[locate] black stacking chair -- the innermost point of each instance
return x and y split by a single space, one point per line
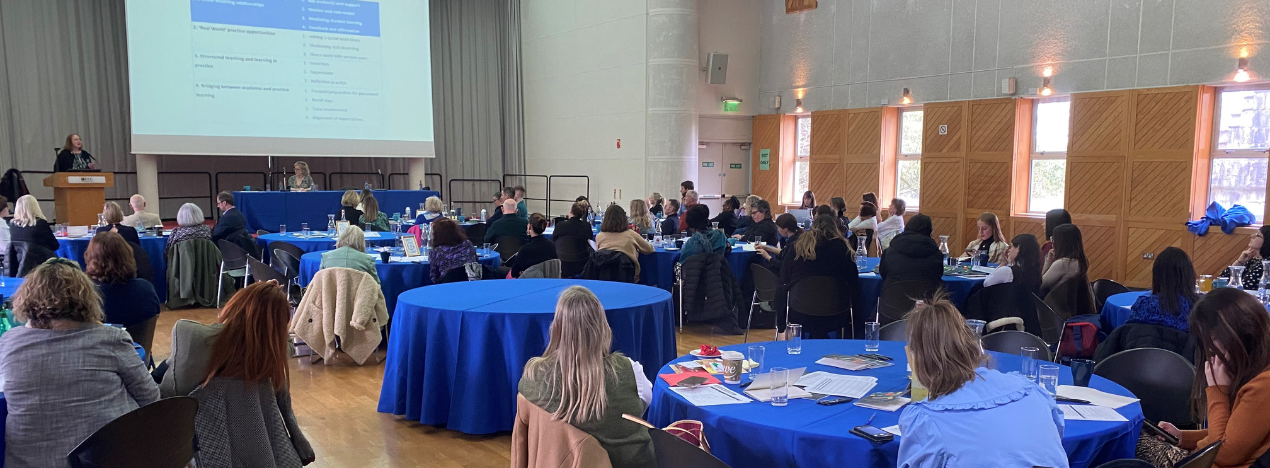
157 435
1105 288
1012 341
673 452
765 285
894 331
508 246
574 253
817 296
898 297
1161 379
1050 322
286 247
145 270
261 272
233 263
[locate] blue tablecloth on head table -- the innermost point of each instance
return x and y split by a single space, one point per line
73 249
1117 309
958 288
807 435
658 268
394 277
269 210
319 243
457 350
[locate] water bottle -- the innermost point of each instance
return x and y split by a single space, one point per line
482 215
1265 282
366 185
407 213
421 185
943 249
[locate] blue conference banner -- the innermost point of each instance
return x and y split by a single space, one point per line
352 17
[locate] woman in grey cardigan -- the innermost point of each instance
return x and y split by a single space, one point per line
65 374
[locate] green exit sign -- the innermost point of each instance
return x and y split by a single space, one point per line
734 166
707 164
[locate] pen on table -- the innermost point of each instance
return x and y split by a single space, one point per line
870 421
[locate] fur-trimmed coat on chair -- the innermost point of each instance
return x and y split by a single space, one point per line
341 304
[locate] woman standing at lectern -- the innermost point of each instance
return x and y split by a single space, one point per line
73 158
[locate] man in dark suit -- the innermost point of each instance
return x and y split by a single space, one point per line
231 221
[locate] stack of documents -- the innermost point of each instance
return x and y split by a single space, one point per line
885 401
851 362
761 388
1094 397
710 395
850 386
1089 413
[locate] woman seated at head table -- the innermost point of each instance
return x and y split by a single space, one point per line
974 416
114 219
616 234
1251 258
539 248
1172 292
248 344
1022 265
990 242
349 210
703 239
301 181
189 220
350 252
127 301
431 211
66 374
29 224
1232 382
450 249
580 380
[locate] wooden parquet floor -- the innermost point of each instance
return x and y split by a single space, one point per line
335 406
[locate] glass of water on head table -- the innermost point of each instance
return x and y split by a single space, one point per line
282 229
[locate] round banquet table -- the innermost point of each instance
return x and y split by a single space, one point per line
457 350
73 249
958 287
395 277
319 241
807 435
658 268
10 287
1117 309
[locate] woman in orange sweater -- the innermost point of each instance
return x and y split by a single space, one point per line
1233 332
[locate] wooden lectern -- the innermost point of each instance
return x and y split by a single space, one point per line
79 196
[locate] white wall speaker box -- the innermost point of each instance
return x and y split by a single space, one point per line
717 65
776 101
1008 86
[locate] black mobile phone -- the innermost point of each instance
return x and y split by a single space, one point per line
1153 429
873 434
1063 399
830 401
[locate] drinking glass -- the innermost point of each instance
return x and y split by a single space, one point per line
282 229
976 326
422 207
714 225
657 241
1030 361
871 336
1082 370
1236 277
485 247
794 338
757 240
780 386
756 354
1049 378
304 229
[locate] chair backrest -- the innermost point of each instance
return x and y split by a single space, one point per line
1072 298
1012 341
145 269
673 452
898 297
262 272
25 256
1105 288
815 295
765 282
159 435
547 269
143 333
290 264
610 265
1161 379
508 246
1204 458
1050 323
476 231
233 256
572 249
894 331
285 247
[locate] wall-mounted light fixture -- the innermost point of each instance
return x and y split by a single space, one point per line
906 98
731 104
1241 70
798 105
1047 77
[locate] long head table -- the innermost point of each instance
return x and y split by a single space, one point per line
269 210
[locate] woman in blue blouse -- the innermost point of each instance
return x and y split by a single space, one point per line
974 416
1172 292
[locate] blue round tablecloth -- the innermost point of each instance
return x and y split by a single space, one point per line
394 277
457 350
73 249
315 244
1117 309
807 435
658 268
958 288
10 287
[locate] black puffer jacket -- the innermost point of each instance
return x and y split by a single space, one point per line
710 292
1144 335
609 265
912 256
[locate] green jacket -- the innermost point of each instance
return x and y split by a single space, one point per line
192 268
380 224
348 257
508 225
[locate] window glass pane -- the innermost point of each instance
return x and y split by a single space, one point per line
911 133
1239 181
1047 184
1051 126
804 136
908 179
801 179
1244 120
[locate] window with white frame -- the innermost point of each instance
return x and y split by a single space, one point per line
1242 137
1048 174
908 163
801 173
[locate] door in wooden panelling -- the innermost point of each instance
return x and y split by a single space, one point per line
859 178
1097 125
1160 191
766 135
864 134
826 136
941 184
1094 188
988 187
1164 120
1148 241
992 126
1216 251
1100 250
942 129
825 179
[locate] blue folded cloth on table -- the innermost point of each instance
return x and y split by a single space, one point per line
1230 219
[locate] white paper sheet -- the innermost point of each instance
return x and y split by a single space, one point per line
1089 413
371 234
419 259
812 378
764 380
844 386
1095 397
894 430
765 394
710 395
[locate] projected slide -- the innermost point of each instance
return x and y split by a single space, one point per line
280 77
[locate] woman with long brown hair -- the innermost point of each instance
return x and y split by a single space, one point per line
616 234
372 218
974 415
73 157
1232 377
990 241
580 380
821 251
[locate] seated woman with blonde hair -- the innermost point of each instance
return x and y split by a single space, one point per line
974 416
350 252
580 380
348 208
431 211
114 223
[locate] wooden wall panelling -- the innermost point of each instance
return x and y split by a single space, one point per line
766 135
828 132
943 182
1096 186
1217 250
1143 240
795 6
862 151
1028 225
